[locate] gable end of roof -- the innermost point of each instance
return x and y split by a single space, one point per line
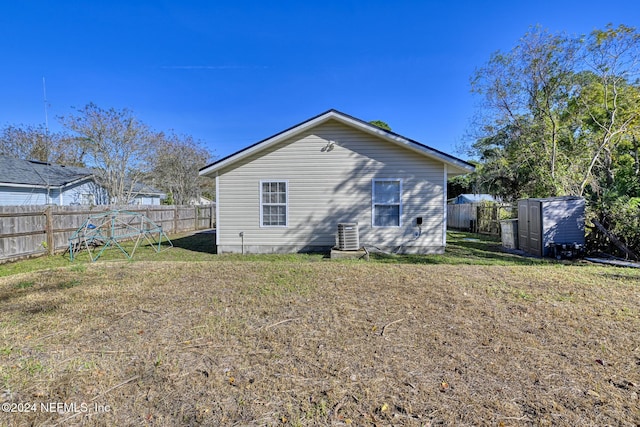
461 165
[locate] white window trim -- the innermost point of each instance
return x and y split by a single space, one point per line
373 202
262 225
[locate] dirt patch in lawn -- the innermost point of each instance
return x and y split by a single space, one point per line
320 343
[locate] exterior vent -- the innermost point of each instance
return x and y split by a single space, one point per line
348 239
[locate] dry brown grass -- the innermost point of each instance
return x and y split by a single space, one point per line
322 343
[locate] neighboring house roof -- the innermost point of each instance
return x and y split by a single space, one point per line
31 173
473 198
39 174
455 166
147 190
200 201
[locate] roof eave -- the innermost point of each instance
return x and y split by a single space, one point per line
78 180
265 143
19 185
458 166
149 194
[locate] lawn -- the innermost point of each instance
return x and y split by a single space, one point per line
462 248
185 337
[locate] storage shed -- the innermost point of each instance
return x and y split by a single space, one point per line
545 223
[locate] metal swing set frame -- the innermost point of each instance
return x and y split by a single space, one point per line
109 229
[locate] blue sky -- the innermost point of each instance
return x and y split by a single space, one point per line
235 72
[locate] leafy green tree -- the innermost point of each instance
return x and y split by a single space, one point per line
380 124
562 116
463 184
612 100
556 110
627 172
525 92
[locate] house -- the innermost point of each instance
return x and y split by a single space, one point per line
146 195
200 201
289 192
472 198
28 182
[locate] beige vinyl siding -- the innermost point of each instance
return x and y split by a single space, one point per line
328 185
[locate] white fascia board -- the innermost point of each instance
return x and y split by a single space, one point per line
149 193
11 184
457 167
57 187
79 180
267 143
411 145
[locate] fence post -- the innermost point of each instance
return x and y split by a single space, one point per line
48 230
175 218
195 217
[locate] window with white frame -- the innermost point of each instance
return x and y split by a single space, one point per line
387 202
273 203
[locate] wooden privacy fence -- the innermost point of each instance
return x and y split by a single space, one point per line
39 230
479 217
461 216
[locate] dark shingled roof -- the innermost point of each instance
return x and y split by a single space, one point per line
29 172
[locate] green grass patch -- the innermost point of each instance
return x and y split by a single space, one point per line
24 284
465 249
462 249
34 366
69 284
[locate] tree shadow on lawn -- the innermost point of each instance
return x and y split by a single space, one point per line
201 241
462 249
466 248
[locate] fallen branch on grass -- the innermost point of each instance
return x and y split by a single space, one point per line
615 240
51 335
116 386
281 322
139 309
389 324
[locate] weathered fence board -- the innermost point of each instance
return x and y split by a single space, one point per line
478 218
461 216
34 230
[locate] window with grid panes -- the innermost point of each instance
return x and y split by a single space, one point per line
273 203
387 202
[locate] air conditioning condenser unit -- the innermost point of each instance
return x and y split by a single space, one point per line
348 239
